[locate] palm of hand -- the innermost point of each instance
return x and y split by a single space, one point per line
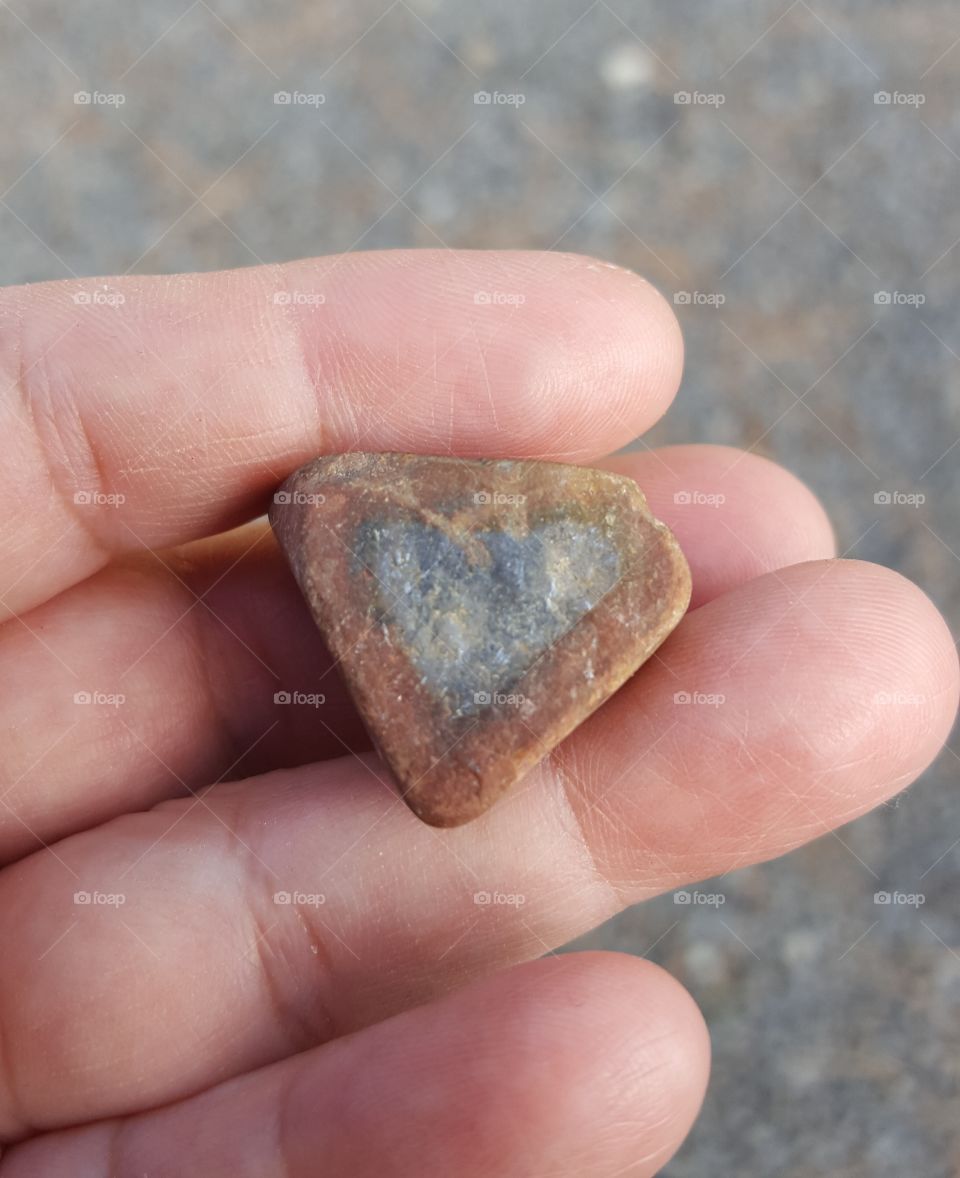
147 961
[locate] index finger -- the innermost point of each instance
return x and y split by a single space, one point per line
152 411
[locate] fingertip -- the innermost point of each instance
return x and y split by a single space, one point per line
736 514
789 507
505 353
860 659
775 713
660 1029
637 324
916 680
624 1044
587 1063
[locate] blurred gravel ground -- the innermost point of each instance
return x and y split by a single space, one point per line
798 200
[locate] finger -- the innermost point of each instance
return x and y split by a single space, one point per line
738 515
174 407
192 682
591 1064
321 904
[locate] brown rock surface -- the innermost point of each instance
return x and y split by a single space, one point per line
479 610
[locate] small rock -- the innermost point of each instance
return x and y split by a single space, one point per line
479 610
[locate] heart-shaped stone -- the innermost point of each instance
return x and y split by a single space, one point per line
479 610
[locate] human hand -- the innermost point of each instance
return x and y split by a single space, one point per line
147 960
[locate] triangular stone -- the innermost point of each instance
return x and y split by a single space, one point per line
478 610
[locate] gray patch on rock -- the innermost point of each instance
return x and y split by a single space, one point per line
473 628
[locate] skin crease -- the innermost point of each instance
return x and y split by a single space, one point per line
391 1028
